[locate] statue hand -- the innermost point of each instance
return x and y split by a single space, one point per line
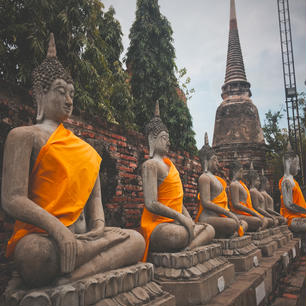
91 235
236 219
67 245
189 225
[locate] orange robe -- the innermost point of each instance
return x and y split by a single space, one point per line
61 181
220 200
247 203
297 198
170 193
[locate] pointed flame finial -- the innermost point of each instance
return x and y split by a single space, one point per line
251 166
157 112
51 48
206 139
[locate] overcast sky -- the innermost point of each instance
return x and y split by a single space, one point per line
200 38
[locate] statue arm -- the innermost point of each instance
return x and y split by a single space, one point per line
94 214
15 201
288 200
234 188
150 186
256 206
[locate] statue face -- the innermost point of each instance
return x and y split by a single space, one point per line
58 101
239 174
213 163
257 182
294 166
162 143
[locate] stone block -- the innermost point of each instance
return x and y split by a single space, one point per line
241 252
131 285
195 276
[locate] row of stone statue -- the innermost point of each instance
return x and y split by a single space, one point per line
51 187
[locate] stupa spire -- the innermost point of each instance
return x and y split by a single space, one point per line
235 72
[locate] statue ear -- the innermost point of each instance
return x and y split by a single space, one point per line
152 141
40 105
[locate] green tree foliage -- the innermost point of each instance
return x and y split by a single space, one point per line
276 139
88 43
150 61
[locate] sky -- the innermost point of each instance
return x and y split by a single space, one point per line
200 33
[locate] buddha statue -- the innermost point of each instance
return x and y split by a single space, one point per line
240 200
165 222
213 201
51 187
293 205
258 200
269 202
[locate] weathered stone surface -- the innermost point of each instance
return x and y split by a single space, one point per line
263 240
241 252
132 285
193 276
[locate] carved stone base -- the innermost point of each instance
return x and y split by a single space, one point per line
286 232
241 252
132 285
263 240
278 236
193 277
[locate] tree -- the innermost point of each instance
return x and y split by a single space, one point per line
276 139
150 62
88 43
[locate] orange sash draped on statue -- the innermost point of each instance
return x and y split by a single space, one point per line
170 193
297 198
61 181
220 200
247 203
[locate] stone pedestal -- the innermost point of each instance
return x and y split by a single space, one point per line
241 252
132 285
286 232
278 236
263 240
193 277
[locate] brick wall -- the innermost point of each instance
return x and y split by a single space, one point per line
123 151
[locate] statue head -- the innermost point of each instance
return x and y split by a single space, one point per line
52 84
291 161
236 170
208 156
253 177
157 133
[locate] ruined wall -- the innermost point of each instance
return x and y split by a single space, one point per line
123 151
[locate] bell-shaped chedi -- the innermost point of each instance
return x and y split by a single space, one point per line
237 125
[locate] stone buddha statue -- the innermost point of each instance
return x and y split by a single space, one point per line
240 200
165 222
258 200
51 187
213 201
293 205
269 202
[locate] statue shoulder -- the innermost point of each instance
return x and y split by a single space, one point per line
149 164
204 178
22 134
288 183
